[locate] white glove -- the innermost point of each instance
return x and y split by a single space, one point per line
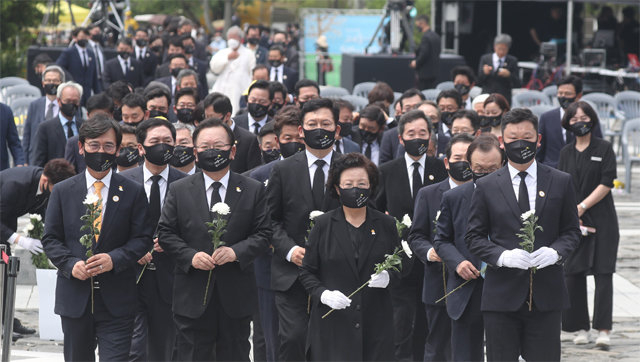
515 258
379 280
335 299
544 257
33 245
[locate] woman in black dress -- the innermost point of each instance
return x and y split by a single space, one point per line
343 248
592 164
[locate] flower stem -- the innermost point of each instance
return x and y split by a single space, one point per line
140 276
349 296
444 280
530 289
206 290
91 295
451 292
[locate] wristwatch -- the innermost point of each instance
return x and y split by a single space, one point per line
583 206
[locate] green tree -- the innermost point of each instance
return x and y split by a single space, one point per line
16 17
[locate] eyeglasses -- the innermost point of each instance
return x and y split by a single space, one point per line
350 185
95 147
216 146
480 170
185 105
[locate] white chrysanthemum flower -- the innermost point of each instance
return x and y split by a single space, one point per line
221 208
406 220
29 227
406 248
527 215
35 217
90 199
438 215
314 214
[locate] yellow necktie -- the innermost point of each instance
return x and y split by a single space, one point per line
98 185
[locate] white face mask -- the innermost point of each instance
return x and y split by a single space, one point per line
233 43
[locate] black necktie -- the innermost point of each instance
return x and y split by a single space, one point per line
69 129
318 184
367 151
215 194
499 65
95 49
154 200
417 180
86 60
338 146
523 193
49 114
256 128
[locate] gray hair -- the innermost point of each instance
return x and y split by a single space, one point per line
503 39
54 68
235 30
185 73
70 83
180 125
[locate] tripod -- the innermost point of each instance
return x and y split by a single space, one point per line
100 10
51 15
395 10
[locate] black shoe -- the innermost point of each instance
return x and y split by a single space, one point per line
16 337
19 328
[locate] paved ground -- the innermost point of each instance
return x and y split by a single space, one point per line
625 337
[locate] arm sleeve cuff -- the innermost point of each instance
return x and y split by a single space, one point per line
500 260
429 255
12 238
291 252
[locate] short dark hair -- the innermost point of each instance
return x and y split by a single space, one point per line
302 83
423 17
342 103
465 71
127 129
413 115
381 92
176 41
265 130
221 103
253 27
157 92
213 122
411 93
58 169
260 84
176 55
499 100
277 87
188 91
570 112
99 101
469 114
198 113
133 100
98 125
485 143
144 127
347 161
373 113
79 30
450 93
573 80
277 48
458 138
117 90
518 115
319 103
125 41
287 116
258 67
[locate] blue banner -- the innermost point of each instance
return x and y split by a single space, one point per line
347 31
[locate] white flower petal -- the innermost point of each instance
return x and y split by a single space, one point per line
221 208
406 220
29 227
406 248
90 199
314 214
438 215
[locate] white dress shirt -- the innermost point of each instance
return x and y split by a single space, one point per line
140 52
56 107
251 121
496 62
162 183
409 163
104 193
84 55
564 131
375 151
97 51
277 73
222 191
531 181
124 64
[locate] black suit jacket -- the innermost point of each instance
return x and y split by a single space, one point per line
248 153
289 77
182 233
290 202
492 83
125 236
428 55
113 72
72 154
243 121
390 147
149 63
494 220
18 187
443 141
87 76
9 139
451 248
50 141
421 238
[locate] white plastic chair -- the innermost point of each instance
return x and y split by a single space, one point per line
628 102
445 85
19 107
552 92
7 82
475 91
539 109
332 92
530 98
431 94
605 107
20 91
358 102
630 149
363 89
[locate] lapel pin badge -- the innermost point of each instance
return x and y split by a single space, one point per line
120 188
541 193
131 68
238 189
431 177
373 232
115 198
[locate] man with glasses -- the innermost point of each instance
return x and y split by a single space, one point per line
449 101
258 101
304 91
154 332
184 158
389 146
214 322
158 101
185 105
465 121
96 296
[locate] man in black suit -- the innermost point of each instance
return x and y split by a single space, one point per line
176 63
400 181
258 102
554 136
427 59
389 146
146 57
199 66
80 61
253 43
515 326
463 305
498 71
124 66
449 102
278 72
247 155
52 134
9 139
304 91
344 142
95 44
154 331
295 188
185 102
214 325
96 297
421 237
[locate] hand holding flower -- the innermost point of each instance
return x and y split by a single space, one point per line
202 261
80 271
223 255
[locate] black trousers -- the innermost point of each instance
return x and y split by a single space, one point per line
214 336
266 336
467 333
409 316
293 320
577 316
111 334
533 334
426 83
438 345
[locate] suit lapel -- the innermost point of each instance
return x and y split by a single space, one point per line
341 236
403 177
59 130
367 245
302 170
506 187
199 197
234 190
113 201
543 182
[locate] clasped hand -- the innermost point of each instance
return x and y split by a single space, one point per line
520 259
95 265
220 256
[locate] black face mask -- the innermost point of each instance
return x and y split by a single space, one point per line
156 113
68 109
319 139
257 110
275 107
416 147
565 101
189 49
368 137
159 154
124 55
82 43
117 114
447 118
301 104
99 161
345 129
463 89
50 89
291 148
520 151
270 155
97 38
185 115
477 176
182 156
253 41
213 160
581 128
141 43
354 197
156 49
460 171
175 72
128 157
275 63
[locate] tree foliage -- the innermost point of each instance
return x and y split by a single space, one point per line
15 19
